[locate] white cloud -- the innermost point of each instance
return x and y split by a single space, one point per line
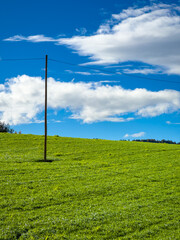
118 66
80 73
22 99
108 81
142 71
2 87
34 39
135 135
84 73
150 35
88 73
168 122
135 12
81 31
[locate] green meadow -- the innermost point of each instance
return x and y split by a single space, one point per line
88 189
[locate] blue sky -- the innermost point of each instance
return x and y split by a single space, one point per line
117 50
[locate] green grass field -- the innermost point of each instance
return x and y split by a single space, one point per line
90 189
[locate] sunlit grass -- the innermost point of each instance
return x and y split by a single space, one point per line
90 189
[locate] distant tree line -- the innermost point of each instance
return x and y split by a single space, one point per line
5 128
156 141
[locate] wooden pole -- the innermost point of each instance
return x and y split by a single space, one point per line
45 112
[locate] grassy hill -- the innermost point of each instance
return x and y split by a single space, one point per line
90 189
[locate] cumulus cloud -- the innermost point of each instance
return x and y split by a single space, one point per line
22 99
1 87
150 35
135 135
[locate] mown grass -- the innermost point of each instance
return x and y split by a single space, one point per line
90 189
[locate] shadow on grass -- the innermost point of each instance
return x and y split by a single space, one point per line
42 160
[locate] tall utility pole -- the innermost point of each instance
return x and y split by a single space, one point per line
45 112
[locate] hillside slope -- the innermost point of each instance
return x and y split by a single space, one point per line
89 189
